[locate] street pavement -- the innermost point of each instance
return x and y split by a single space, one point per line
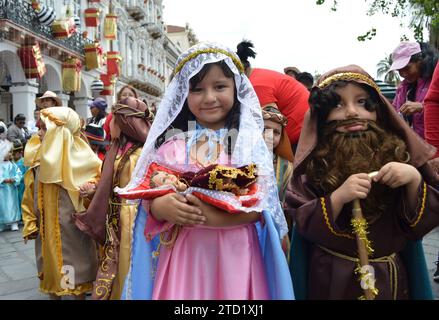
18 275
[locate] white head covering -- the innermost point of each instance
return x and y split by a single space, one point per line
5 147
250 146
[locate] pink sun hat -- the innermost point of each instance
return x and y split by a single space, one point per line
402 54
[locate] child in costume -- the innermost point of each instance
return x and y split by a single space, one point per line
276 138
351 131
210 115
10 177
109 218
17 155
60 163
96 138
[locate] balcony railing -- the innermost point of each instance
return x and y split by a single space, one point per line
21 13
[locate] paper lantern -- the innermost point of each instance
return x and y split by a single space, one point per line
93 55
32 60
63 28
92 17
45 15
110 27
71 75
97 86
109 80
114 61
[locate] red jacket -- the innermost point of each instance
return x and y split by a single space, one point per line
431 112
290 96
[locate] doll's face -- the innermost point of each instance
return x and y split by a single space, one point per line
162 178
353 103
212 98
272 133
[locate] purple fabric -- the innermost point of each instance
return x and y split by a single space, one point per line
421 92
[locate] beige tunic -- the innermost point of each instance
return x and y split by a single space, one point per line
66 257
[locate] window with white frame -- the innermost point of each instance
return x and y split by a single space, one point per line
130 60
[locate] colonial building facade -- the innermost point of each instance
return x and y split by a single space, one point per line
147 52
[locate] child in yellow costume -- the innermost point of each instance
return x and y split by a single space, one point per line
60 163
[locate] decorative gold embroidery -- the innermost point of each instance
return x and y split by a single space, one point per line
326 217
349 76
421 212
360 228
40 208
236 61
231 173
52 118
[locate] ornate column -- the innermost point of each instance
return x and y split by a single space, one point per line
81 106
64 98
23 98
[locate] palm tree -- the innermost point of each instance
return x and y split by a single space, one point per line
383 66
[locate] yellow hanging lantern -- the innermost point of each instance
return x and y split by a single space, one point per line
71 75
93 55
110 27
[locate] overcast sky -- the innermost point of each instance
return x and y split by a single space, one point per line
291 32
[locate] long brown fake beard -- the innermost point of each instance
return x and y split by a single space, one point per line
339 155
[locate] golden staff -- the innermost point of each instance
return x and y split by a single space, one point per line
367 274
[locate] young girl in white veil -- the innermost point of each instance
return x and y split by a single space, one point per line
184 248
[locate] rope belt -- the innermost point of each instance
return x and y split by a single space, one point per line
390 260
122 204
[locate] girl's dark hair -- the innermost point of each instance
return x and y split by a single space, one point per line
429 57
322 101
245 51
101 115
182 120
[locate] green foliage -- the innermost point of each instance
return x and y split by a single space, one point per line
383 68
368 36
423 13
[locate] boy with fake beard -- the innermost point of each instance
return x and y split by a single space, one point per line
350 132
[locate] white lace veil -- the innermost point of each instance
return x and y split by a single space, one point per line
250 146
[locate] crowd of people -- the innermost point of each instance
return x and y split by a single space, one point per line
311 191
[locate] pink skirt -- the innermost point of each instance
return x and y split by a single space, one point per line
209 263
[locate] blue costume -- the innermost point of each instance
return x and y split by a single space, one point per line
9 207
23 169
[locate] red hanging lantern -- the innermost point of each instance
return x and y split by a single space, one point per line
109 81
92 17
32 60
114 61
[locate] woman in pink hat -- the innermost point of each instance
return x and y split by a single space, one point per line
415 63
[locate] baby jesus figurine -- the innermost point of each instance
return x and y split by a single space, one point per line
213 177
229 188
